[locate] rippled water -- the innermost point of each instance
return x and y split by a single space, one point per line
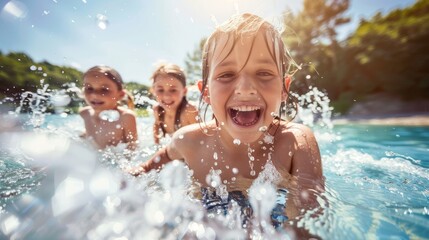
53 186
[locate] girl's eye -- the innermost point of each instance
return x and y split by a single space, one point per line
265 75
88 89
224 77
159 91
173 90
105 90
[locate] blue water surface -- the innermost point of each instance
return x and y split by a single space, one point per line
377 178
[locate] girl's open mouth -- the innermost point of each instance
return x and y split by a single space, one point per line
97 103
167 104
245 115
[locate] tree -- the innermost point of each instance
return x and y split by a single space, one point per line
193 63
392 51
311 37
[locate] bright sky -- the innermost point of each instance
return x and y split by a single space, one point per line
132 35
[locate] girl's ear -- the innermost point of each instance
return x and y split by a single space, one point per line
287 82
122 93
204 92
287 85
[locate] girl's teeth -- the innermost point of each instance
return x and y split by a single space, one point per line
245 108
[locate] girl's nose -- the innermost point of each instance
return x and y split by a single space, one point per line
244 86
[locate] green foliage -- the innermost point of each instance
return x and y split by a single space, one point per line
311 37
135 88
386 54
20 73
392 51
193 63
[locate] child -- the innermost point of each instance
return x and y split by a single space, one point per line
107 123
173 111
246 84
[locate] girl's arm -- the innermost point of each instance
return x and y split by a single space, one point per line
156 162
306 169
162 157
130 130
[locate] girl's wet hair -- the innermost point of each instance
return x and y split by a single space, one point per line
171 70
113 75
233 30
107 71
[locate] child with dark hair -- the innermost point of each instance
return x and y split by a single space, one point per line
106 122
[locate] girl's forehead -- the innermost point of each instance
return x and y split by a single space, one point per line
238 50
98 79
166 80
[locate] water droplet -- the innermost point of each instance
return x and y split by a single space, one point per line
252 173
33 68
16 9
269 139
234 170
109 115
263 128
181 136
46 12
102 21
215 156
308 77
236 141
290 154
213 179
60 100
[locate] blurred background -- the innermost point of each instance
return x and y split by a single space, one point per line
369 57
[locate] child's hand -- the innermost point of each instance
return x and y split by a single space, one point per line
136 171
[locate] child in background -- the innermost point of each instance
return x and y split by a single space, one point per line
173 111
246 83
107 123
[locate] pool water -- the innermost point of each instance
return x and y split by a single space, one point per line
53 185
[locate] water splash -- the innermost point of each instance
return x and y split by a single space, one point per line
16 9
102 21
109 115
314 108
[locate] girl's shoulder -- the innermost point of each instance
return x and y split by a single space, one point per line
189 132
190 107
85 111
126 112
296 132
187 140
